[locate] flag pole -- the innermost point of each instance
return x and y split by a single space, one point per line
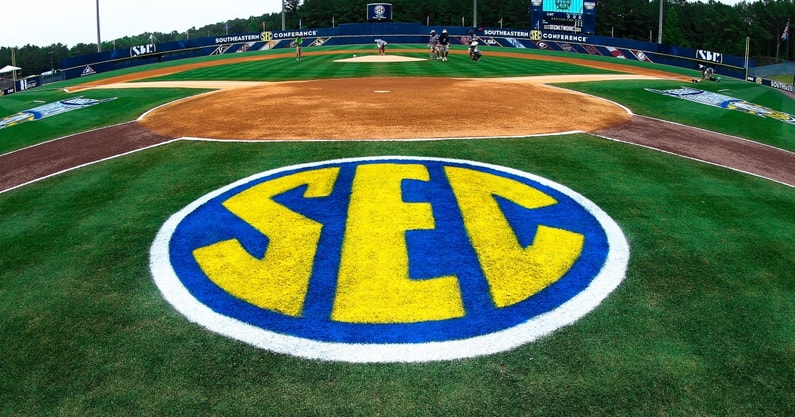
14 64
747 54
784 37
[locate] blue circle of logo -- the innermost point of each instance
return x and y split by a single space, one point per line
389 259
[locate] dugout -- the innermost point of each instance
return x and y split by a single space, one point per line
8 78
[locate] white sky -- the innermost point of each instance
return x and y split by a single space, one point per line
46 22
75 21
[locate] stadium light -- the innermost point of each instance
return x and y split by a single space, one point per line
660 30
52 66
474 13
99 41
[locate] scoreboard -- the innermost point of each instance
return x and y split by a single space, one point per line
573 16
563 15
563 6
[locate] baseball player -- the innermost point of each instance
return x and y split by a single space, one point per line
472 36
381 46
433 43
707 73
474 52
444 44
298 41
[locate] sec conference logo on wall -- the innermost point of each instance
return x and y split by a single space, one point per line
390 259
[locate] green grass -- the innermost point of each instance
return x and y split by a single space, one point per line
323 66
701 326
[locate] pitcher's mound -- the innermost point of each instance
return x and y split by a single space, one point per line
379 58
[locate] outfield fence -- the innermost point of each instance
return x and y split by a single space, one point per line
404 33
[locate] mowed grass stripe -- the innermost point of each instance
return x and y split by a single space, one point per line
323 66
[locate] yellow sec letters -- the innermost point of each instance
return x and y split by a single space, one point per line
374 286
514 273
279 281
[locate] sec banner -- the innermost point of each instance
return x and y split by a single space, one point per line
379 12
391 259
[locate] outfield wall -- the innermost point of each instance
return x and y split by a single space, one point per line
403 33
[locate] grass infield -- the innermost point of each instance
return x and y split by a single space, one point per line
701 326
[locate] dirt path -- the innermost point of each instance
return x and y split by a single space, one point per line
56 156
736 153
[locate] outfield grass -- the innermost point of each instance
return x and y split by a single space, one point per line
323 66
701 326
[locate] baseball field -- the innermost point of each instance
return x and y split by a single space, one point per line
104 196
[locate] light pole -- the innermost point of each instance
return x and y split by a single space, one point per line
52 67
475 14
99 41
283 14
660 30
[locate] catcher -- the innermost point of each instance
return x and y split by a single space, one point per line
474 52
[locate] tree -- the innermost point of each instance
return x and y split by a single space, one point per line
672 31
712 26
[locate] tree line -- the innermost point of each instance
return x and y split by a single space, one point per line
712 26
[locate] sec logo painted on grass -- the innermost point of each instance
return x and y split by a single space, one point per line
391 259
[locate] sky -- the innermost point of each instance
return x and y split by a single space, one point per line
75 21
52 21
